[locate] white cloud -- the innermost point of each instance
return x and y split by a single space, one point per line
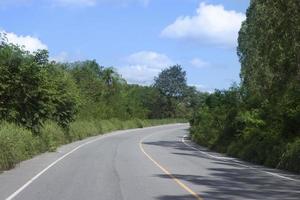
143 66
149 58
29 43
199 63
212 23
138 74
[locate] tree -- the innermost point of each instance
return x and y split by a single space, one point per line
87 75
24 89
269 48
41 57
171 82
33 91
269 51
260 120
108 76
64 95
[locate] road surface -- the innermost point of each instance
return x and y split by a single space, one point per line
152 163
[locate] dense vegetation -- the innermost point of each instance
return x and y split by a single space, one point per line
44 104
259 121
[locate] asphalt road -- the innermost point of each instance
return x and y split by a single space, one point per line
141 164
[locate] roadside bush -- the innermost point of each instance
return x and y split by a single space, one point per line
51 136
16 144
116 124
81 129
154 122
128 124
291 157
138 123
202 127
107 126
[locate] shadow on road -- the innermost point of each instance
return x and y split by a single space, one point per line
227 179
174 144
233 183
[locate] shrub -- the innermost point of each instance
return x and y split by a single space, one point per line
52 136
81 129
116 124
139 123
128 124
291 157
107 126
16 144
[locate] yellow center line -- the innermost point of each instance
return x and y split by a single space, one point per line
182 185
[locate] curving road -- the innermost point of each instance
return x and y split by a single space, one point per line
152 163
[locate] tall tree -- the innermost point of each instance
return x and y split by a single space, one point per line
24 92
269 51
269 47
171 82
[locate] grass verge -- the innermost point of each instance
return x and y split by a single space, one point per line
18 144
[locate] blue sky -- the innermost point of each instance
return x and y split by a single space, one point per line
138 37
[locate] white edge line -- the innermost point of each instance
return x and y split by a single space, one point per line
48 167
13 195
216 157
227 159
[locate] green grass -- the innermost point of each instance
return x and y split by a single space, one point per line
18 144
82 129
51 137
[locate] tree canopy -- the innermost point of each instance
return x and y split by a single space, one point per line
171 81
259 120
34 90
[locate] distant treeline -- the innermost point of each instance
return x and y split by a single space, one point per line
44 103
34 90
259 121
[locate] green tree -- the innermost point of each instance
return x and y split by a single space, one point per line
171 81
64 95
269 51
24 92
33 91
41 57
260 121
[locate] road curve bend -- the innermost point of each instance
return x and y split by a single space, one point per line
157 163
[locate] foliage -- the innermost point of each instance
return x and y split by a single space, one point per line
51 137
259 121
175 98
33 91
24 93
44 104
291 158
82 129
18 143
64 96
171 81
